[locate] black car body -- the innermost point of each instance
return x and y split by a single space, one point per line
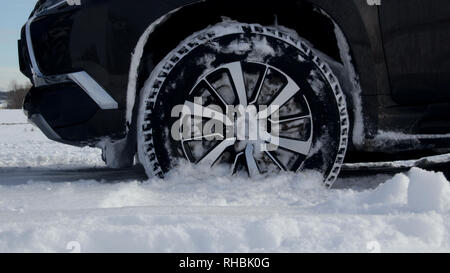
86 82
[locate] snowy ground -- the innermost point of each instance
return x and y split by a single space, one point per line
52 195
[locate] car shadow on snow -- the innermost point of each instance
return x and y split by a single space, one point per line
10 176
20 175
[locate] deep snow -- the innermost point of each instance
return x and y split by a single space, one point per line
43 208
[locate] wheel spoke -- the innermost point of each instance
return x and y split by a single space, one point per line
275 160
251 162
284 96
214 92
289 119
237 77
236 158
294 145
188 151
202 137
260 86
198 110
213 155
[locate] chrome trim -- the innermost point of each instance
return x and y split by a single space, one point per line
34 66
49 80
40 11
94 90
39 121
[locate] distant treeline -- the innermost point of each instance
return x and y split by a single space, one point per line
14 98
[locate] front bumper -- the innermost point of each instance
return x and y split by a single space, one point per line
66 113
71 107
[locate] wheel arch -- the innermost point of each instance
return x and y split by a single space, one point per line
169 30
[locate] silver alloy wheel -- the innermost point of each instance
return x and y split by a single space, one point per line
234 85
171 81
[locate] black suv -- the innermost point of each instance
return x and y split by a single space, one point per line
257 86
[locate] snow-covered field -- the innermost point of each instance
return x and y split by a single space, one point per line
53 196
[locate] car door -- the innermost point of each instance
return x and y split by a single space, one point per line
416 37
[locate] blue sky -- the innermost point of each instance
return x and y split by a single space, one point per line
13 15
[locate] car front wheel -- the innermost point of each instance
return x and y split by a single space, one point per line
252 98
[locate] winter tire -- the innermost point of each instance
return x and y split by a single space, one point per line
243 66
